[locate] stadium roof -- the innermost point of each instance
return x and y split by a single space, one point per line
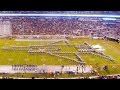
108 14
68 15
62 12
105 15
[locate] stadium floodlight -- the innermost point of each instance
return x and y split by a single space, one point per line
109 19
67 15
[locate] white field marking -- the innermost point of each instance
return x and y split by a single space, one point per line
43 59
60 60
14 51
7 41
97 56
19 57
35 59
92 59
3 56
35 40
111 47
101 61
9 61
26 60
10 55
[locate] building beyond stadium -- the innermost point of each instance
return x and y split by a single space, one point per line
5 28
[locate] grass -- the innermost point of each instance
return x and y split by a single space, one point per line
30 75
68 48
93 60
22 57
72 56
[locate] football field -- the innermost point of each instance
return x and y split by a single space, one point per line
10 57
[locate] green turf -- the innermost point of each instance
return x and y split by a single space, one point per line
72 56
22 57
92 59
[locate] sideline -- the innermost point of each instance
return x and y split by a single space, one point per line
46 68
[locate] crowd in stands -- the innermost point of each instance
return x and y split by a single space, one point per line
80 26
64 26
